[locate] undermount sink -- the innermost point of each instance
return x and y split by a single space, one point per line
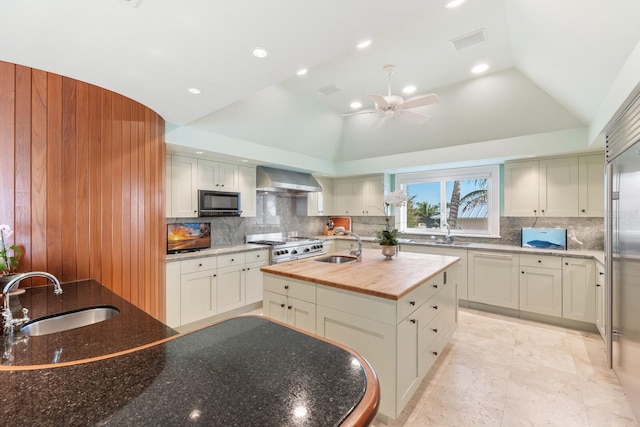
336 259
440 242
67 320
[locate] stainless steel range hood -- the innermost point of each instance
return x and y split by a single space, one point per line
280 180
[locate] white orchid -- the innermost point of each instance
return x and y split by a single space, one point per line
8 263
396 198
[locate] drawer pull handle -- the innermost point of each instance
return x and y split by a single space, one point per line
539 260
199 265
435 330
232 260
281 305
435 353
598 285
413 321
601 273
289 307
286 286
435 286
412 303
435 307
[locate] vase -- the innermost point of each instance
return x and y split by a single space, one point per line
388 251
5 278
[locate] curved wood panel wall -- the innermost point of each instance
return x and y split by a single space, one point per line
82 183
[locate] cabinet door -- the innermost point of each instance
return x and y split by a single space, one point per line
198 296
558 187
493 279
541 291
275 306
342 197
184 190
168 186
301 314
325 199
591 188
172 291
408 377
600 319
231 291
253 282
228 177
375 196
521 188
207 175
247 188
579 289
359 200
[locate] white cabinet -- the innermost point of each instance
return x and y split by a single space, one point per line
541 284
493 279
217 176
253 281
578 289
591 189
600 312
362 196
247 189
556 187
198 289
329 246
320 203
290 301
182 173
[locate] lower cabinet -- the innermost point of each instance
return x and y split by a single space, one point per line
493 279
198 296
290 301
541 284
579 289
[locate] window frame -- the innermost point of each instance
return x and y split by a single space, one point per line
491 173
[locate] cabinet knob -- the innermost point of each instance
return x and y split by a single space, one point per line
199 265
523 272
542 210
215 275
435 286
412 321
258 256
286 286
232 259
281 305
566 263
535 211
289 307
598 285
435 307
243 269
583 210
435 330
539 261
435 353
601 273
412 303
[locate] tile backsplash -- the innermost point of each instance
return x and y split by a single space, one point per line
276 212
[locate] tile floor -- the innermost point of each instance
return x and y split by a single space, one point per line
501 371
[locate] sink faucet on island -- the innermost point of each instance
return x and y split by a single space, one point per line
9 321
355 252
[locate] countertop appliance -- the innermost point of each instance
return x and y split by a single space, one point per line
218 203
622 251
544 238
287 246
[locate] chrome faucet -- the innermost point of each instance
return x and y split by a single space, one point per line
355 252
449 238
11 286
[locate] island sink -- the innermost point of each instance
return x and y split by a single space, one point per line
67 320
336 259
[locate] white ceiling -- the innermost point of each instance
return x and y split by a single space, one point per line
553 65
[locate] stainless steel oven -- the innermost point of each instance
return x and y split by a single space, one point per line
287 246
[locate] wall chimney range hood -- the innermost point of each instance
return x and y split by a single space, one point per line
280 180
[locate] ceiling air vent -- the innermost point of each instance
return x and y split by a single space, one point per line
329 89
470 39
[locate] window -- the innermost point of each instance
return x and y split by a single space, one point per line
465 200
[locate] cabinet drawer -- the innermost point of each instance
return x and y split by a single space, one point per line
253 256
429 331
543 261
414 299
230 260
290 287
199 264
361 305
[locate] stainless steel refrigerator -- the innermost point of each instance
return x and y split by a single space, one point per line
622 252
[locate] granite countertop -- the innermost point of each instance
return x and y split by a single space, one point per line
131 328
218 250
373 276
248 370
457 244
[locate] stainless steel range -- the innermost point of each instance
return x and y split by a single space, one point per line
287 246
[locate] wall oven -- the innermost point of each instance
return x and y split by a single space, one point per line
218 203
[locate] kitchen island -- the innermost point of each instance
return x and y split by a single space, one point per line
398 314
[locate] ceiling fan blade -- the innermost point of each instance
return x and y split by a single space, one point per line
355 113
379 100
421 101
380 121
412 116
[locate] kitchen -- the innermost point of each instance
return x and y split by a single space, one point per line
49 251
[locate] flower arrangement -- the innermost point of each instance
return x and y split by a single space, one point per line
8 264
389 236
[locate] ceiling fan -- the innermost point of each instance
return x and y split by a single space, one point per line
392 106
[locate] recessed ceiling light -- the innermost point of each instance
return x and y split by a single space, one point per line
245 161
454 3
363 44
409 89
194 91
302 72
356 104
199 152
480 68
259 52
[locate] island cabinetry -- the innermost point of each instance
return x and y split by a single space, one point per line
290 301
578 289
400 338
462 264
493 278
541 284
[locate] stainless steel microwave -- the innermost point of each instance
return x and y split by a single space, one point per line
218 203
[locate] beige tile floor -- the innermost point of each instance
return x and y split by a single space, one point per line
501 371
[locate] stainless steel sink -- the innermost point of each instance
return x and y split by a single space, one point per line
69 320
440 242
336 259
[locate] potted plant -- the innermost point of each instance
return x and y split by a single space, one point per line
388 238
8 264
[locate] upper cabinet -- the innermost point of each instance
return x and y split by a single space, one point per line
182 178
362 196
558 187
320 203
217 176
247 183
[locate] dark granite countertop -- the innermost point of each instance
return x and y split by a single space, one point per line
246 371
131 328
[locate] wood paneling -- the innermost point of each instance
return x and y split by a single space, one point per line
82 173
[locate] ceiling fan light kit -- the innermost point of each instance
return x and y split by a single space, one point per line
392 106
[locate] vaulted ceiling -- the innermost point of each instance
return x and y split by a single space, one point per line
558 70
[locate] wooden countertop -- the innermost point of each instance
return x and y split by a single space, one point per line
373 276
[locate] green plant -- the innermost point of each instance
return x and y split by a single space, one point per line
8 263
387 237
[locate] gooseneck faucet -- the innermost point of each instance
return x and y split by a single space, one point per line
355 252
449 238
11 286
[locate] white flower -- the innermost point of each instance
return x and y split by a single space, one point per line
5 230
396 198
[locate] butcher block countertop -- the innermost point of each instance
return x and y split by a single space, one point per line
373 276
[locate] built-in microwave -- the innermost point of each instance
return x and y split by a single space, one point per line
218 203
